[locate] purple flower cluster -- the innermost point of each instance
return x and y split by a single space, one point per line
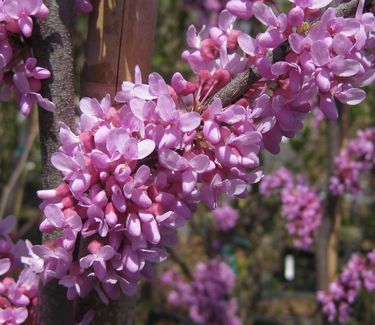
329 59
209 296
225 217
358 274
356 159
17 298
300 205
132 176
134 172
19 73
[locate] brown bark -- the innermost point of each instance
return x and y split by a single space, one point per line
53 49
326 252
120 36
326 241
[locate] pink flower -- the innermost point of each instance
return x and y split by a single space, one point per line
225 217
22 11
358 274
98 260
301 205
208 297
356 159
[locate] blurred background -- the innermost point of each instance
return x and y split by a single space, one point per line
275 282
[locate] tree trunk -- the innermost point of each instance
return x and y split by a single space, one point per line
53 49
327 238
120 36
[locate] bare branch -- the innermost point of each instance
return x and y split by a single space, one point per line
18 171
180 262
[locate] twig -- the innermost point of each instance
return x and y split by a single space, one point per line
31 222
18 170
185 269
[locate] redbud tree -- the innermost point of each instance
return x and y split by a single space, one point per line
130 167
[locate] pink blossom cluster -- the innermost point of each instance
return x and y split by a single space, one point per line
132 177
225 217
356 159
17 297
208 296
19 73
135 171
329 59
83 6
300 205
358 274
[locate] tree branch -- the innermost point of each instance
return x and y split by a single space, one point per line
181 263
20 167
53 48
235 90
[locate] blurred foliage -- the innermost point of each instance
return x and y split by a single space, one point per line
173 20
9 127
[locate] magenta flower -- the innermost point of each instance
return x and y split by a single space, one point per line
208 297
27 84
98 260
225 217
356 159
69 221
241 8
22 12
5 265
13 315
300 205
357 275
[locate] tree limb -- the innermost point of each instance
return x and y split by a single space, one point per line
53 48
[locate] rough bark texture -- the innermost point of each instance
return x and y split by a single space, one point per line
242 83
120 36
53 49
